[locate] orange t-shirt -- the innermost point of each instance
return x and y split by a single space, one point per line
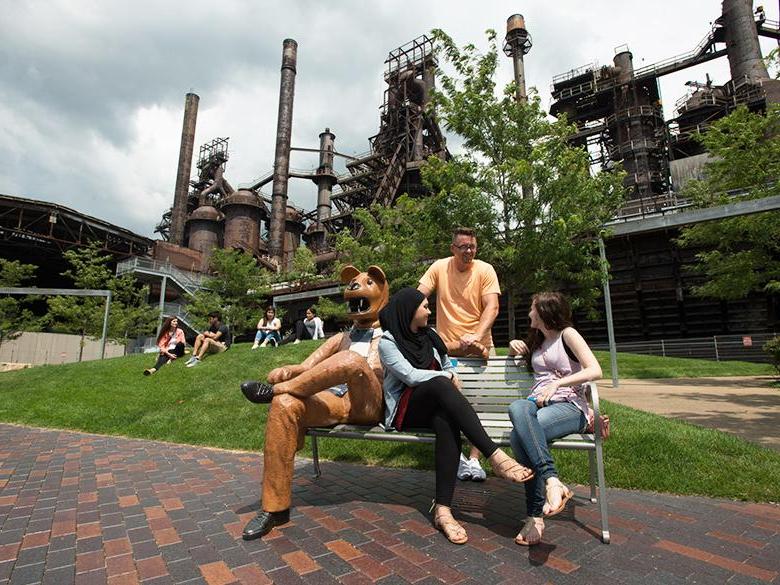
459 297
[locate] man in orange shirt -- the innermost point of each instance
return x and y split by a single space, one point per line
467 293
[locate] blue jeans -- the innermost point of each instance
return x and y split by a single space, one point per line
532 429
261 336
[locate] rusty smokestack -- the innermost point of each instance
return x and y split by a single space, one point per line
179 211
282 155
516 45
325 175
743 49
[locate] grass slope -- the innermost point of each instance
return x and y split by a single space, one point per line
204 406
632 365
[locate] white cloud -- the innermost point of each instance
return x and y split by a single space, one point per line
92 92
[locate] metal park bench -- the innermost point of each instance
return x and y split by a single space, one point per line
491 386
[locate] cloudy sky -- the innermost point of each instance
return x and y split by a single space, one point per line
92 91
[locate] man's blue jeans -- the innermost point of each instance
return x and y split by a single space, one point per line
533 428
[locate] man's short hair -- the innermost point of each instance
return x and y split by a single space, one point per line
463 231
216 314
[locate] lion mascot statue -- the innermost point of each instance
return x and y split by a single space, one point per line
341 382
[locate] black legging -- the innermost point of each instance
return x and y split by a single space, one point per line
301 333
437 404
163 359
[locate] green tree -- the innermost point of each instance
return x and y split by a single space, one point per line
518 164
237 287
15 317
397 239
129 316
738 255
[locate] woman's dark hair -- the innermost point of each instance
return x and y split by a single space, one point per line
313 311
166 326
555 312
265 313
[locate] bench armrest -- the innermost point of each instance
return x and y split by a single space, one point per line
593 396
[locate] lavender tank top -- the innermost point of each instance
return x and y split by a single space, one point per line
550 362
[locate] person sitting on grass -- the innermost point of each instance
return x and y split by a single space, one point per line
421 390
171 343
268 329
308 328
215 340
561 362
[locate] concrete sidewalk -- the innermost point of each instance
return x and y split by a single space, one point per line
91 509
745 406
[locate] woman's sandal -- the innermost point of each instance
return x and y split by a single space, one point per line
565 493
531 532
449 527
512 470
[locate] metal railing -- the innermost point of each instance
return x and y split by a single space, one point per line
191 282
746 348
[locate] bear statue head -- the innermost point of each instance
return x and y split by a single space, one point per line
366 293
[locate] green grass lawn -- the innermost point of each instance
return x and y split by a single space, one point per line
203 406
632 365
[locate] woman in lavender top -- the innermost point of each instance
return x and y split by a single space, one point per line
561 362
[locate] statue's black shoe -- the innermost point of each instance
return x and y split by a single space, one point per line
257 392
262 524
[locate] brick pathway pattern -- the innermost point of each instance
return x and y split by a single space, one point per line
80 508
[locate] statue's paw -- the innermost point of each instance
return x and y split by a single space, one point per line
278 375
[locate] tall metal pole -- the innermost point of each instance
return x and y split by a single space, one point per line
179 211
105 327
282 155
163 286
608 309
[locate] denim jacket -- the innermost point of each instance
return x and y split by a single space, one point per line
399 374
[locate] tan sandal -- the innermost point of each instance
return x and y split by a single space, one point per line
531 532
512 470
448 526
565 493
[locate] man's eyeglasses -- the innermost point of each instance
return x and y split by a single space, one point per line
466 247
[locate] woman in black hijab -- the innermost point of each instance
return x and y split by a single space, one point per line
421 390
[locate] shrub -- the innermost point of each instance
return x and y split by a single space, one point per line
772 347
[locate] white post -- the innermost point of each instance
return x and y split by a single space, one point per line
163 284
663 348
105 327
608 310
715 342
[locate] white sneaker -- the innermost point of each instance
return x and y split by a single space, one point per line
255 346
194 361
477 473
464 469
189 361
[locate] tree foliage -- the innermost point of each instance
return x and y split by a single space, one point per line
129 316
237 288
397 239
518 166
15 317
542 239
740 254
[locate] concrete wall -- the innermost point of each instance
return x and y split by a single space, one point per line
53 348
685 169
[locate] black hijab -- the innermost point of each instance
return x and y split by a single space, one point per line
396 317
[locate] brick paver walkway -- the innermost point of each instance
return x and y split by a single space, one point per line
94 509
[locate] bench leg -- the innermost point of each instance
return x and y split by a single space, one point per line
602 493
315 454
592 461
